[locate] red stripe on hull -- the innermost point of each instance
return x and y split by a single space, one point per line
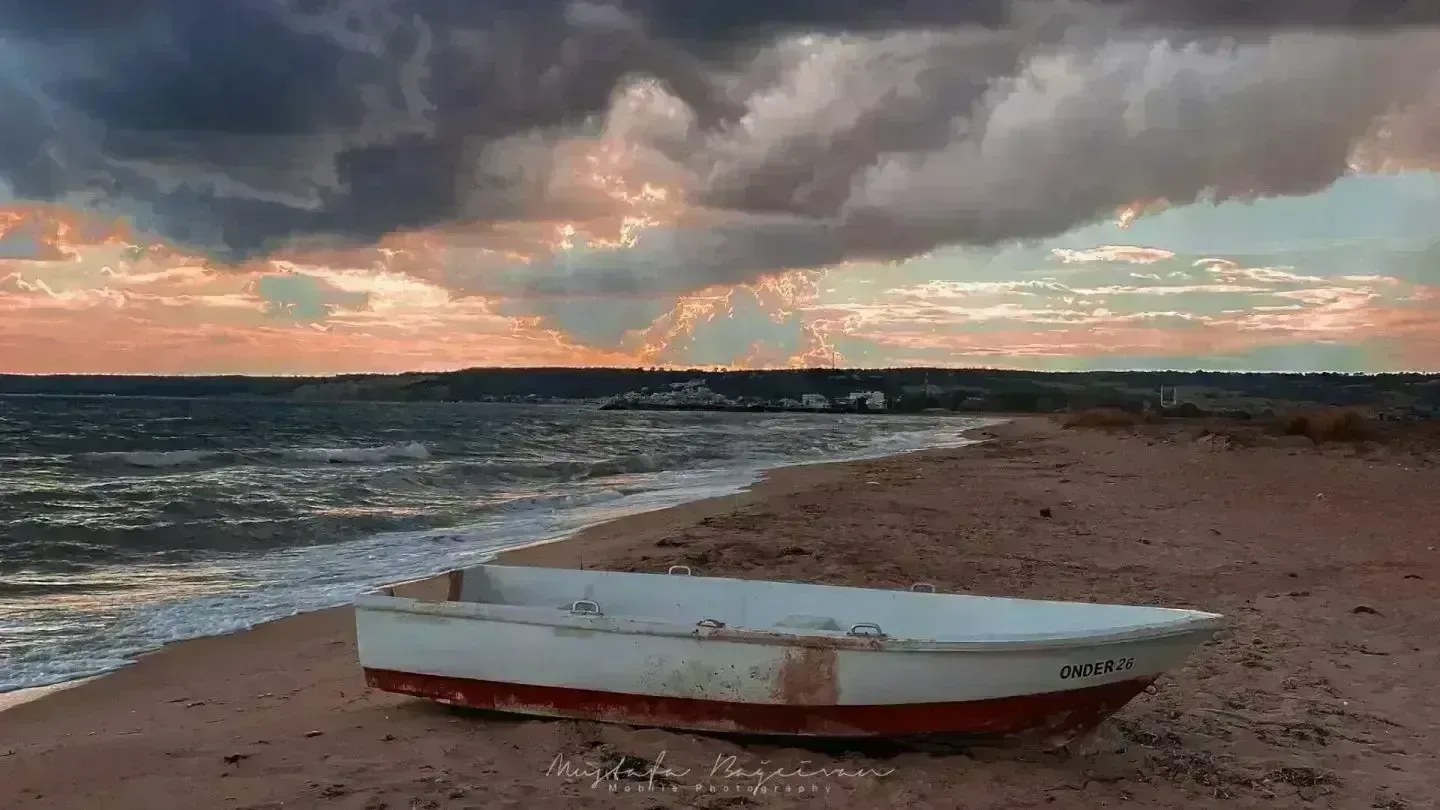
1054 718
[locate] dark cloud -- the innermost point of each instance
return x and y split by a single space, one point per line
237 127
1282 13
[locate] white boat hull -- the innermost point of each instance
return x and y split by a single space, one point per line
722 679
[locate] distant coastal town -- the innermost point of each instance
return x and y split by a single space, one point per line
696 395
812 390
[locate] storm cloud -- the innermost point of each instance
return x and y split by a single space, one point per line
798 133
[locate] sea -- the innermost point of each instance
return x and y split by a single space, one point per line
127 523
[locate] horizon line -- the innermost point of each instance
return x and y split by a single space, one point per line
696 370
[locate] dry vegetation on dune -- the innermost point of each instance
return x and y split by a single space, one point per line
1329 425
1100 418
1320 426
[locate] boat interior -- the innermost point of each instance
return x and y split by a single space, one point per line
680 598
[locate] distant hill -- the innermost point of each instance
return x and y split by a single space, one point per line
905 389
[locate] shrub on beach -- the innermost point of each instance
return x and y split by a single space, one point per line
1100 418
1329 425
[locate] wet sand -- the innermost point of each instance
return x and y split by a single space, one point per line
1320 694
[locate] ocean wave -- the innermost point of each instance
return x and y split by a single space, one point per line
18 587
127 519
413 451
53 548
513 468
151 459
567 501
51 557
46 548
463 467
572 469
165 459
486 472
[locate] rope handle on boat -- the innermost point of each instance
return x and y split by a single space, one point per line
871 626
679 569
585 607
715 623
922 587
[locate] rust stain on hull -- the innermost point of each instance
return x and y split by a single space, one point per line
1051 719
807 677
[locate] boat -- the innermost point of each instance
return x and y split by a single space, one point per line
758 657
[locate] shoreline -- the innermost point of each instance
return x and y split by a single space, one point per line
1314 694
17 697
692 509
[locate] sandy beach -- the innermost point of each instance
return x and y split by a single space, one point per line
1317 695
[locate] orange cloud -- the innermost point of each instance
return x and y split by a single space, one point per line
82 295
1048 319
115 341
86 299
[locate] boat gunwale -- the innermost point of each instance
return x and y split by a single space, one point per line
1194 622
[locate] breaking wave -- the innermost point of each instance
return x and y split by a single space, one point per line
414 451
148 459
151 459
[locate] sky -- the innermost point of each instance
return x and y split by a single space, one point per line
929 192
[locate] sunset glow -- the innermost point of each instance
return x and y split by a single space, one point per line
85 295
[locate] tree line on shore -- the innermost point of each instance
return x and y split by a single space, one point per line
905 389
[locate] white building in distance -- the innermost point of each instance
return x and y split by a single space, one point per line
875 400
